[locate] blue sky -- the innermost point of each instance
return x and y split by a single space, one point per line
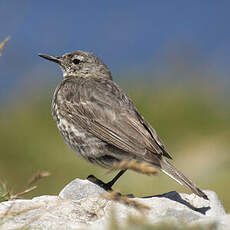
129 36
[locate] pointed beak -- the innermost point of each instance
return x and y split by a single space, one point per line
50 58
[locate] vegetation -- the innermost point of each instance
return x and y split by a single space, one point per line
142 224
193 123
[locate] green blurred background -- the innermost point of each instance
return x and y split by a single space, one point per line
192 122
171 58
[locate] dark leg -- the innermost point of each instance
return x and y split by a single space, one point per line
106 186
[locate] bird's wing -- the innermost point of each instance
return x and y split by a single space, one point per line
99 106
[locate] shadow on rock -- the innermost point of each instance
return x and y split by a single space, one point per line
175 196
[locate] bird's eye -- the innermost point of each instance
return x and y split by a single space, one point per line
76 61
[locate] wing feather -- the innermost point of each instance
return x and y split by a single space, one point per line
103 109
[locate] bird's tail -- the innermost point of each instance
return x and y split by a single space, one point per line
174 173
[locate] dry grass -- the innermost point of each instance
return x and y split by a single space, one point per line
116 196
5 194
140 167
3 43
10 213
38 176
18 195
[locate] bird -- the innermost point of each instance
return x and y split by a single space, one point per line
100 122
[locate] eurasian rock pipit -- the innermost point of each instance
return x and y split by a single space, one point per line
100 123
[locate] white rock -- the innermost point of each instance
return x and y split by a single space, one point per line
79 189
80 205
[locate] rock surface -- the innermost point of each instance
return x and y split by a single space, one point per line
80 205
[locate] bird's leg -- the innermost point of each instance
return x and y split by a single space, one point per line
106 186
96 181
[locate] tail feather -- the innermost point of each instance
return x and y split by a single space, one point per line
174 173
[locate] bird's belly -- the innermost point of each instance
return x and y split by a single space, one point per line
83 143
86 145
89 147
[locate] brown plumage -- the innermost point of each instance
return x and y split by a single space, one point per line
100 122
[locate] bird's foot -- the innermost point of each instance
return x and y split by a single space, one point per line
105 186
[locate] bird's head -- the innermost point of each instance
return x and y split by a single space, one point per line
80 64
